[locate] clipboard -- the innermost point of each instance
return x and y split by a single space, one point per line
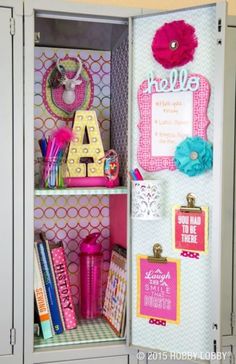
158 287
190 228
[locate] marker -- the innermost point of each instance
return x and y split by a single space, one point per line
44 146
133 176
138 174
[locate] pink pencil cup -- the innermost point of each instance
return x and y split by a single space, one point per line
91 277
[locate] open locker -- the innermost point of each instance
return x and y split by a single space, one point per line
118 59
69 215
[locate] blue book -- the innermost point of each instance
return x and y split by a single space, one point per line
50 287
41 299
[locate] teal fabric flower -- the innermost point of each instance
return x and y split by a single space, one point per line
194 156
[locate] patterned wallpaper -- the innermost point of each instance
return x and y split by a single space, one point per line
70 219
64 218
119 104
98 63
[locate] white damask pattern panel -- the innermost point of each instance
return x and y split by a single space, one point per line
193 334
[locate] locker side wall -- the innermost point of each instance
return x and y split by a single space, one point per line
228 205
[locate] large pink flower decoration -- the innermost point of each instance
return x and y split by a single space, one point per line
174 44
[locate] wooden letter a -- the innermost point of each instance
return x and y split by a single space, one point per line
86 120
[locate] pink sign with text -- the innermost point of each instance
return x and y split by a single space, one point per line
190 230
158 289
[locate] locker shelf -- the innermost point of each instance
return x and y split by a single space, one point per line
87 332
82 191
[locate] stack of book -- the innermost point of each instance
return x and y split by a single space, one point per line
114 308
52 290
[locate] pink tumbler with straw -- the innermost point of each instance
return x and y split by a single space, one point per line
91 277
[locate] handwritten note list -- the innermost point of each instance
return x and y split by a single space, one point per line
172 121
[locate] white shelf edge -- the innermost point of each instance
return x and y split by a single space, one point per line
82 191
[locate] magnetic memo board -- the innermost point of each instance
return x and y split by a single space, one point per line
196 289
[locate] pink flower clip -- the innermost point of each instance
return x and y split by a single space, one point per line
174 44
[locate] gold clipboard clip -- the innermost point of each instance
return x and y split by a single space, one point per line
191 207
157 258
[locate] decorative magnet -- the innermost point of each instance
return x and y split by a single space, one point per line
174 44
194 156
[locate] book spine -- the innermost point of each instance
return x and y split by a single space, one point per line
55 284
41 302
42 280
63 285
49 287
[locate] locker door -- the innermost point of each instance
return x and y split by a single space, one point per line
6 182
196 326
232 101
11 182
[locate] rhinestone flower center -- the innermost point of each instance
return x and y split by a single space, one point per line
194 155
174 44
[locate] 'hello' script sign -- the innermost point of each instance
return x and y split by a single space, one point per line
177 81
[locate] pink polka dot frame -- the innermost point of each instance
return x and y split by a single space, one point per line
200 122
